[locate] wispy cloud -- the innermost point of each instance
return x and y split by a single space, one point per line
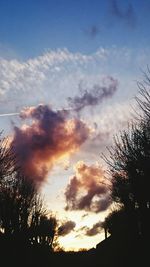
125 14
92 31
25 83
9 114
95 95
52 76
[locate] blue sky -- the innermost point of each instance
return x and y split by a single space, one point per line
31 27
78 49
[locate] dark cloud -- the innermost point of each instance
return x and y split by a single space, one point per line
125 14
95 95
87 190
93 31
46 138
94 230
66 228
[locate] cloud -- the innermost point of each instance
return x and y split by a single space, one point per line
38 75
48 136
94 230
9 114
66 228
125 14
93 31
95 95
53 75
87 190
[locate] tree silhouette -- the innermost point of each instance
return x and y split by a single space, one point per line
43 231
120 223
7 170
7 159
23 216
129 166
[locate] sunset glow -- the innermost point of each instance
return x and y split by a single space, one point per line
68 80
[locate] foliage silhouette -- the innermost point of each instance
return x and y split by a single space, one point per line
23 217
129 168
129 165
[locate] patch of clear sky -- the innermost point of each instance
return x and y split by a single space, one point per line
31 27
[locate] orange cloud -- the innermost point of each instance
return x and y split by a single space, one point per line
87 190
49 136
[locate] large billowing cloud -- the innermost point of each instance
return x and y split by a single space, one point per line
88 189
95 95
66 228
48 136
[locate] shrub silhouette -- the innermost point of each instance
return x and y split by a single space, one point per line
129 167
23 217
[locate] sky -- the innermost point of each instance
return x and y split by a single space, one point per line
68 78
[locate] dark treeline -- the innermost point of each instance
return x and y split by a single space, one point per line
28 234
128 223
